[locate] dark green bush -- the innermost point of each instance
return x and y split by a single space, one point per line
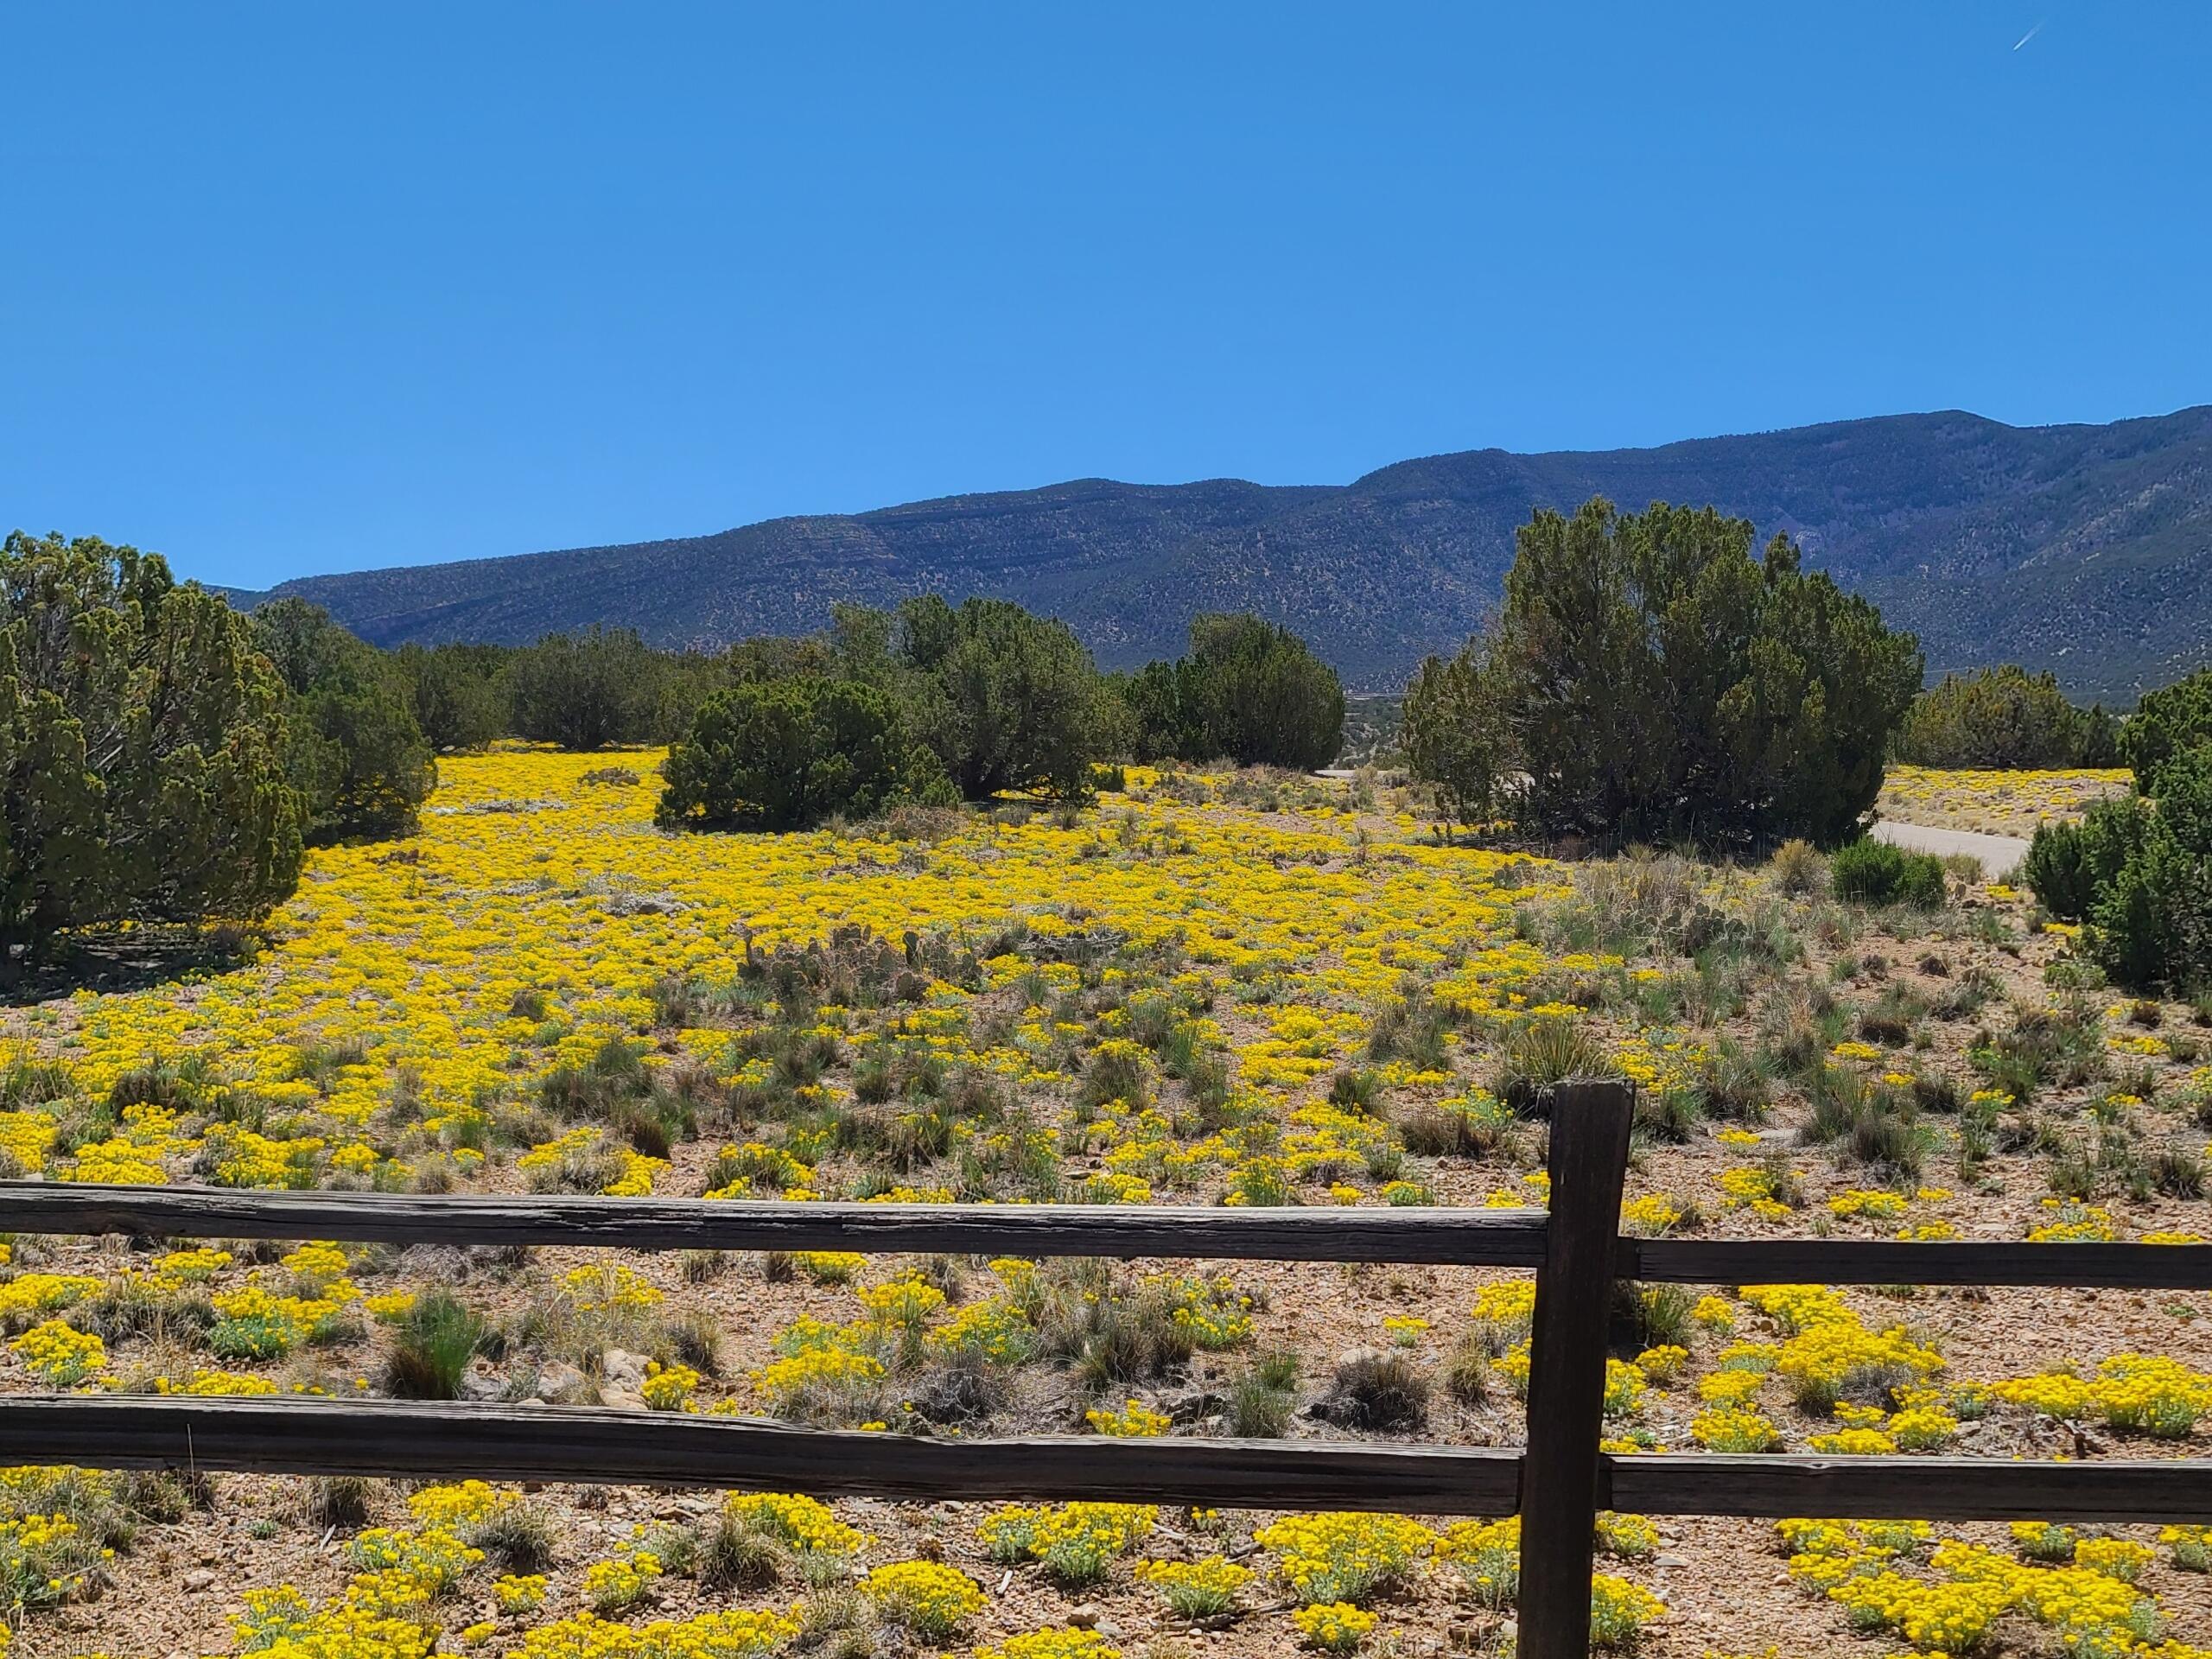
458 692
1008 700
2001 716
2167 723
1874 873
2068 865
356 755
2139 874
2152 924
1247 690
586 691
1650 677
784 755
142 773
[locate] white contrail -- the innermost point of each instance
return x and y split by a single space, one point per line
2030 35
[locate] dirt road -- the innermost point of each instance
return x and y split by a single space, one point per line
1999 855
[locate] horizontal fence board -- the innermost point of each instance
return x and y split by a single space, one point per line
1506 1238
1898 1262
602 1445
1399 1235
1502 1238
557 1444
1911 1489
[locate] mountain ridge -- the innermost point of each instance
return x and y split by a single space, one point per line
2083 548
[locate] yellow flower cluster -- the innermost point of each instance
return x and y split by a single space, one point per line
2135 1392
1133 1422
803 1524
1344 1555
1199 1589
737 1634
1333 1626
1075 1541
1054 1642
58 1354
928 1599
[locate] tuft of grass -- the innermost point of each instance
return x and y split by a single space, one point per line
699 1266
2179 1172
1255 1411
1541 1052
1663 1315
518 1537
1667 1114
1797 869
733 1556
1467 1368
432 1348
695 1338
1376 1390
1732 1085
340 1501
1431 1131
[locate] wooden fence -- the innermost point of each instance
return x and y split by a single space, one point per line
1558 1483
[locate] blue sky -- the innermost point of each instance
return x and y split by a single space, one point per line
300 288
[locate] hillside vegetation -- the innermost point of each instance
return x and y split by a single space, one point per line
2082 550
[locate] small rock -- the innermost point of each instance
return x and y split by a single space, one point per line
1669 1560
1108 1628
199 1579
623 1369
557 1380
622 1398
1084 1616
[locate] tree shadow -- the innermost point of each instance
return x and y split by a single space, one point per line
118 960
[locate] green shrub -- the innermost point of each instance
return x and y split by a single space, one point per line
1006 700
455 692
784 755
2001 716
355 752
141 772
2069 865
2151 924
585 691
1874 873
2166 724
1247 689
1650 678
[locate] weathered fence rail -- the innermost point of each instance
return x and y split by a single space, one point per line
1502 1238
1557 1484
594 1445
1495 1238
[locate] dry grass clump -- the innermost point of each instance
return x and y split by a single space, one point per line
1376 1390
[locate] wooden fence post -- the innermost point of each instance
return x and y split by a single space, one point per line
1560 1498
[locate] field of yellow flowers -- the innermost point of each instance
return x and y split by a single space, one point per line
1996 801
1209 989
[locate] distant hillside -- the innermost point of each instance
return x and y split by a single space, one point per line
2086 550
